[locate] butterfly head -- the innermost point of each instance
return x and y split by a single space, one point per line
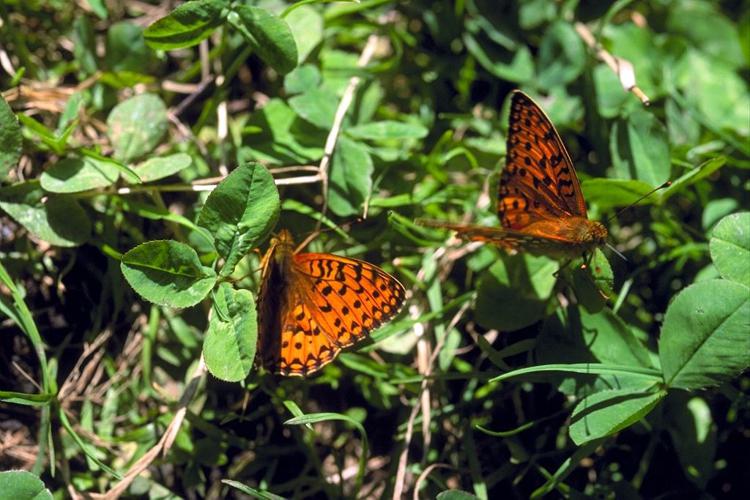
282 239
596 233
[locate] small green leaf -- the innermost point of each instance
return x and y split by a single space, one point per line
350 178
514 293
168 273
58 220
512 62
185 26
730 247
692 428
240 212
302 79
229 347
73 175
455 495
10 139
611 340
378 131
562 55
317 106
592 284
715 210
704 338
698 173
610 96
162 166
21 484
640 149
609 193
269 35
607 412
306 24
136 126
126 49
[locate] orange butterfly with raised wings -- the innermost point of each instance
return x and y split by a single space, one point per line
312 305
540 204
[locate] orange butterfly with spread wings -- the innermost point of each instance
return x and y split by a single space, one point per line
312 305
540 204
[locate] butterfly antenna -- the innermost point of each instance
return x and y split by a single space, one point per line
617 252
619 212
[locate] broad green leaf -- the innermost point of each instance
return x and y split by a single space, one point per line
704 338
229 347
636 45
162 166
640 149
611 341
269 35
84 45
514 293
168 273
607 412
10 139
126 49
562 56
73 175
716 92
706 28
692 428
565 343
609 193
730 247
610 96
302 79
378 131
515 65
715 210
592 284
350 178
240 212
279 140
307 26
21 484
317 106
185 26
58 220
683 128
136 126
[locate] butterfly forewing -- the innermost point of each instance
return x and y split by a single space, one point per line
328 303
539 180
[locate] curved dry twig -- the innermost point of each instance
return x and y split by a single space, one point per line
622 67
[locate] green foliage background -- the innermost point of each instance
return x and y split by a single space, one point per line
128 291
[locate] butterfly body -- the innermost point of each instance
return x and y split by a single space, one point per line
540 204
312 305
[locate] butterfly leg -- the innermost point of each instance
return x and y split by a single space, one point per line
562 267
